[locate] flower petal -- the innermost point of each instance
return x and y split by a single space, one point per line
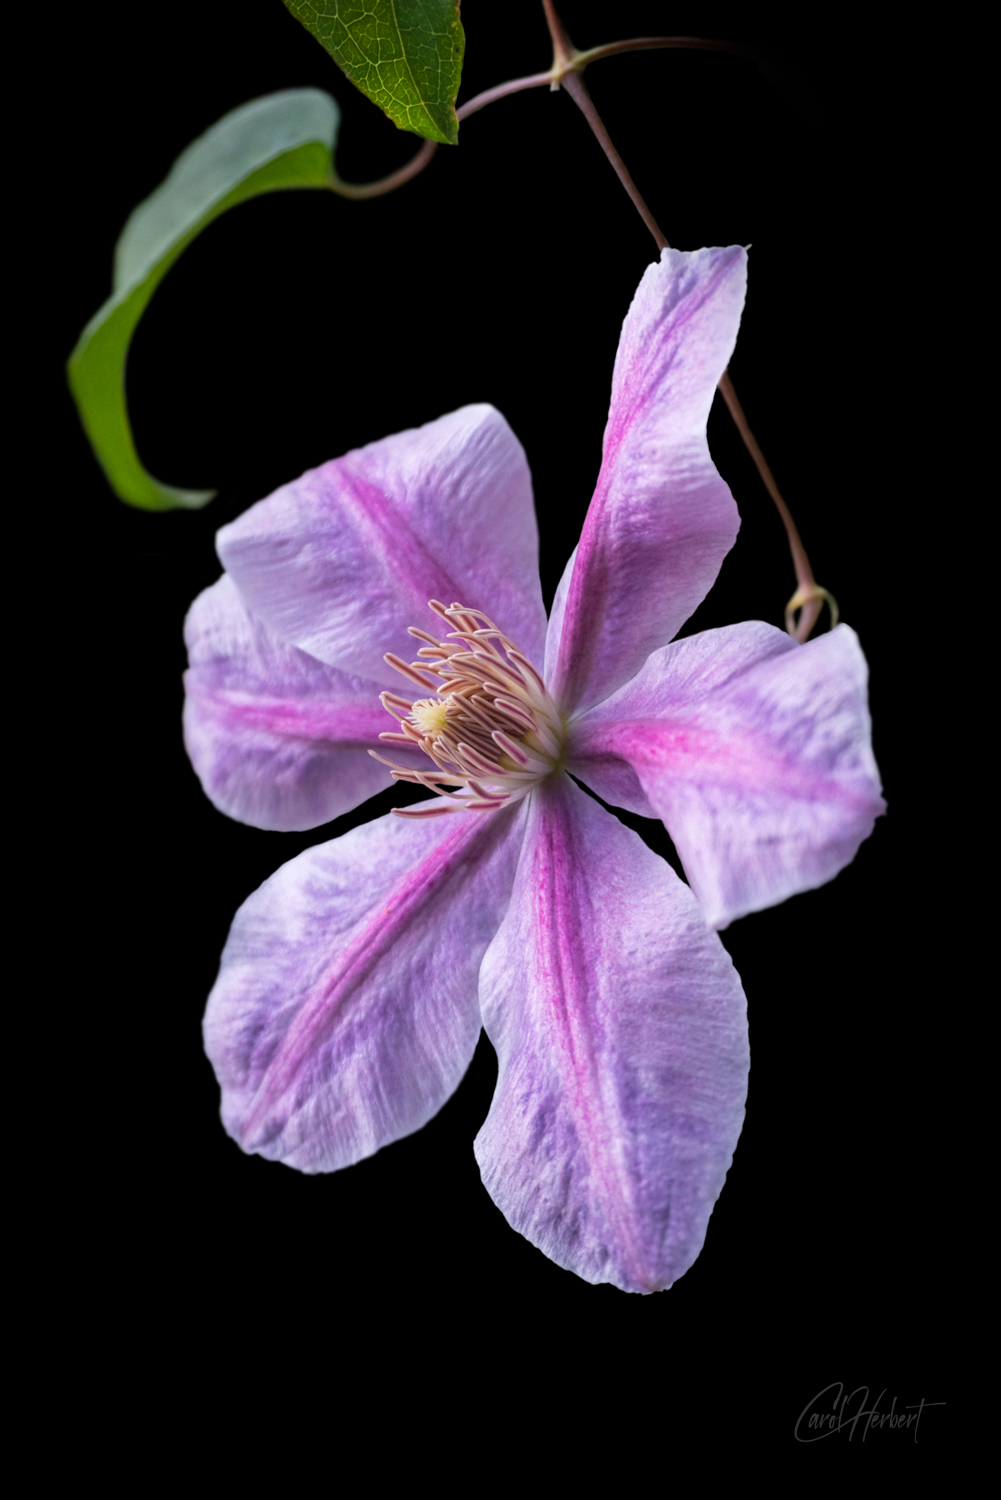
756 753
278 739
661 520
342 560
621 1034
345 1012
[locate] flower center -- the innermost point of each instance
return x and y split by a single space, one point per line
493 732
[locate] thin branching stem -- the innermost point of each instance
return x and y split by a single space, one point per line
656 43
564 51
567 72
809 597
501 91
577 89
388 184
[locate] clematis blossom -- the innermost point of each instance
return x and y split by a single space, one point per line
355 981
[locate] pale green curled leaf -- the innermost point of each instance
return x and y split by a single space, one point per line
284 140
405 55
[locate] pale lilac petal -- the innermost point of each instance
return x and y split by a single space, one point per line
554 630
755 752
277 739
345 1012
341 561
621 1036
661 520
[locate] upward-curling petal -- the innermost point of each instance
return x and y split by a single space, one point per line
343 560
756 753
621 1036
661 520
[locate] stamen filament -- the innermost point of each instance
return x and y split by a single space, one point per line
517 753
493 671
524 715
490 767
491 707
509 747
426 812
478 714
390 763
407 671
523 661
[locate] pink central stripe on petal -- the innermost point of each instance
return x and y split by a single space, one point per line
404 904
565 924
662 519
395 541
707 757
361 724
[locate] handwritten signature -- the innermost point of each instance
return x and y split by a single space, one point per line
835 1410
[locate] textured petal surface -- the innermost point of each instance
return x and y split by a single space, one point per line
345 1012
277 738
661 520
621 1034
341 561
755 752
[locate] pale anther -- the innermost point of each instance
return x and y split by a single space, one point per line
493 732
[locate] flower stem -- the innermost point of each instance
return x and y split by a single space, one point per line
501 90
575 62
567 72
564 51
809 596
396 179
652 43
577 89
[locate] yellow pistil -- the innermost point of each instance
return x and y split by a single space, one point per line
430 716
493 735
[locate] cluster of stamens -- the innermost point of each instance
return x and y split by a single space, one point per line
493 732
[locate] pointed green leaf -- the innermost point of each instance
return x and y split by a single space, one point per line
284 140
405 55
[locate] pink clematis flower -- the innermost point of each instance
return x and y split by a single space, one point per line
355 981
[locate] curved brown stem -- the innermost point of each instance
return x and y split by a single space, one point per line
385 184
577 89
501 90
652 43
566 71
809 597
565 53
567 60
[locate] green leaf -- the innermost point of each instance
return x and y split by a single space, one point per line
284 140
405 55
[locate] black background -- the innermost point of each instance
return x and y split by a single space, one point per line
302 325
